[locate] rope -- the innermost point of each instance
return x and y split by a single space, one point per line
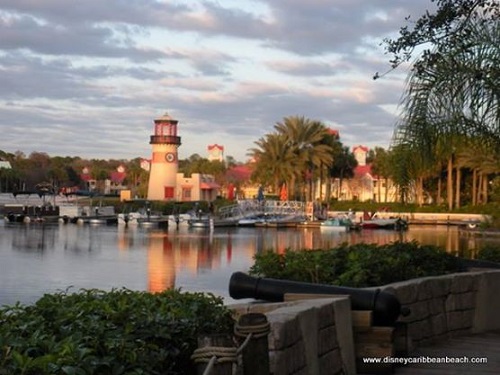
257 331
214 355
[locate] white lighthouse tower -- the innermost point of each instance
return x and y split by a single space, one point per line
164 161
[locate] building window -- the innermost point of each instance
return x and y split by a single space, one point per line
186 194
169 192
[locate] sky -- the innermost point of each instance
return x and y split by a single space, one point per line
87 78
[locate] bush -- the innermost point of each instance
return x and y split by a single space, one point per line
361 265
490 253
117 332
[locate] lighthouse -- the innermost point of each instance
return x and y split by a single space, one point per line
164 161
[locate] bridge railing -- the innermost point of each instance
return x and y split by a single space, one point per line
249 208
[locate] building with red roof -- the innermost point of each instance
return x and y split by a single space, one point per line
365 184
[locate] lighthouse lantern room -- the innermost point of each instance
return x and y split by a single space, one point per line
164 162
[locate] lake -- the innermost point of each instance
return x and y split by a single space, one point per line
37 259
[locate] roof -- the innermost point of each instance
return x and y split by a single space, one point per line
165 117
211 147
239 173
362 170
364 148
5 164
209 186
117 177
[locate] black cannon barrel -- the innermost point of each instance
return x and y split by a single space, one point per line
385 306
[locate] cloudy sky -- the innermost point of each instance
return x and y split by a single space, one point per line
87 78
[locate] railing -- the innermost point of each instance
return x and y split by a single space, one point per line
167 139
249 208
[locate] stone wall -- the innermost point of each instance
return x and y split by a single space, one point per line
450 305
308 337
315 336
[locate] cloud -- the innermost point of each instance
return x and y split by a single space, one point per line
88 78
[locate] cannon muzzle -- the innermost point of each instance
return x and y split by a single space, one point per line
385 306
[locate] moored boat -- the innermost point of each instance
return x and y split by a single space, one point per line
338 224
375 222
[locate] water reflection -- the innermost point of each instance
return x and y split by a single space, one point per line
35 259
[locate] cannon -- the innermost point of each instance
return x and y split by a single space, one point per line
385 306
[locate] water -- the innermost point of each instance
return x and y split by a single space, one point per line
37 259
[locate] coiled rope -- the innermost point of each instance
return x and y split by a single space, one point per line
213 355
220 354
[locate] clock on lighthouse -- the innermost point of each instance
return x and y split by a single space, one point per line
170 157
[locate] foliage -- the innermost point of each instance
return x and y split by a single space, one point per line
361 265
297 152
448 26
490 253
117 332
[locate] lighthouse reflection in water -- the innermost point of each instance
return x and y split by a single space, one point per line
38 259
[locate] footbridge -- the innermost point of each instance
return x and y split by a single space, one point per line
252 208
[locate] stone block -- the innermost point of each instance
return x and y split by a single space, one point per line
330 363
424 289
297 358
326 315
405 291
436 305
487 302
419 330
327 340
438 325
418 311
440 286
465 282
461 301
278 364
285 330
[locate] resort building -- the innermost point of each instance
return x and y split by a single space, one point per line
215 152
365 185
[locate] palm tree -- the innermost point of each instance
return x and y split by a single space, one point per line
343 167
454 101
308 141
274 160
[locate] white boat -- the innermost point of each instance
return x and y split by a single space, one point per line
337 224
142 219
375 222
201 222
251 221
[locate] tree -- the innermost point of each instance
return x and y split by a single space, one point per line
447 28
274 160
308 141
454 103
343 166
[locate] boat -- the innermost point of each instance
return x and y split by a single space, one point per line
375 222
102 215
339 224
281 221
251 221
201 222
19 213
141 218
43 209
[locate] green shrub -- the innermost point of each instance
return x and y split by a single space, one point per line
490 253
117 332
360 265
